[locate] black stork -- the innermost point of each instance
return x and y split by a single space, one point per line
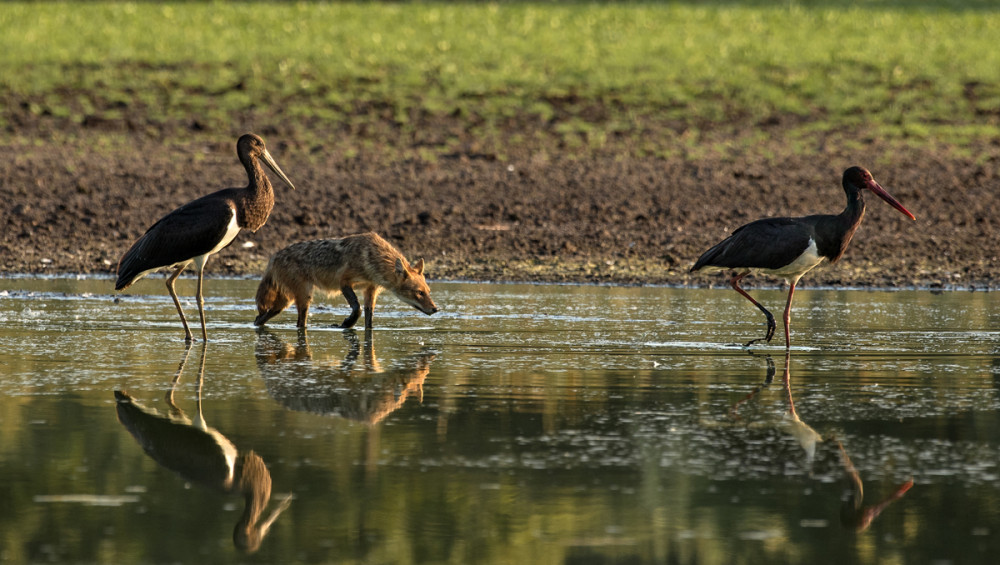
790 247
202 227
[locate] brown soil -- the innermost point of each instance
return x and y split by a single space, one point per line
74 196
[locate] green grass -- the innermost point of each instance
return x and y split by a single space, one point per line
915 70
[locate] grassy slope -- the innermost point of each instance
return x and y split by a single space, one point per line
926 72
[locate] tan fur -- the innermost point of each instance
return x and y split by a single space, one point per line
364 261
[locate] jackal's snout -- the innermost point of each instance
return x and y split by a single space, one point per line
430 308
421 300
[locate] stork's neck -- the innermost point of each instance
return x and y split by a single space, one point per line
259 199
255 484
855 209
838 233
259 184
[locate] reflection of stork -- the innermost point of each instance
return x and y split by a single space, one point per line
203 455
853 513
768 379
367 395
804 435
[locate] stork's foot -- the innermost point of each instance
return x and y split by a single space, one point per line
771 327
188 336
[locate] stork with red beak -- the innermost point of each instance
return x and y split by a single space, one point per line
789 247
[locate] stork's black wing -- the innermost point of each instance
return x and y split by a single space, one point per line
770 243
187 232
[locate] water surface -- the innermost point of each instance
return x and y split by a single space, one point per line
522 424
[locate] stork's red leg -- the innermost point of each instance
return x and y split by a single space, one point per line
177 303
788 315
771 325
201 303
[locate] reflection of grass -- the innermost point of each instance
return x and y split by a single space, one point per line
904 71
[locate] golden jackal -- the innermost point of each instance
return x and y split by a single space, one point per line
338 265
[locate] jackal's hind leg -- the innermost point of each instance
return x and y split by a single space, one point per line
352 299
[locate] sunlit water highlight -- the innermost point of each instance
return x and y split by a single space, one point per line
522 423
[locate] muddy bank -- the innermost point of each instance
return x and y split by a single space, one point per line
533 212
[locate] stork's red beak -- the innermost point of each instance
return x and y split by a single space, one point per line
881 193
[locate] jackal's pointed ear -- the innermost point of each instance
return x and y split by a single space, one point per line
418 267
400 269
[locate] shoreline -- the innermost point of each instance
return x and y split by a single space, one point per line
747 283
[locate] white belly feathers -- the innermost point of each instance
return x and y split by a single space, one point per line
802 264
232 230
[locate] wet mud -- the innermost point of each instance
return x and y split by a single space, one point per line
508 209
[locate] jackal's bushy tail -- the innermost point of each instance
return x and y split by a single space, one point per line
272 298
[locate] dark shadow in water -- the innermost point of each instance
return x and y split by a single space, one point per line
806 437
364 394
768 379
201 454
854 514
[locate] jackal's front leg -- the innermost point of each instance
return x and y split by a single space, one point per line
371 294
352 299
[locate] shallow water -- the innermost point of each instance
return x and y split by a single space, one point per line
522 424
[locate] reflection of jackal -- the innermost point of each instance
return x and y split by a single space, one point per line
338 265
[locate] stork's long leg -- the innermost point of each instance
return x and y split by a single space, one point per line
788 315
177 303
201 304
771 325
